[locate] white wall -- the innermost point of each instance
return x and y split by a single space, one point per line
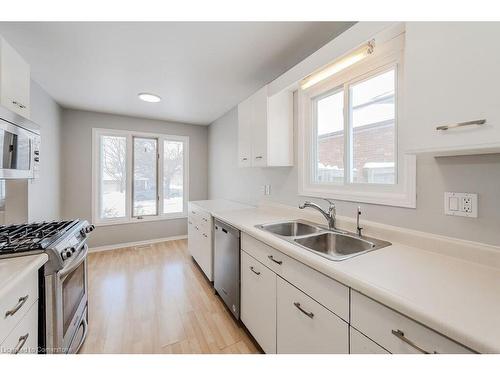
77 172
477 174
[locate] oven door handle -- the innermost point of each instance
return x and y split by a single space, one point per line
75 263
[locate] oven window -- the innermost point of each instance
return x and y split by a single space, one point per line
73 291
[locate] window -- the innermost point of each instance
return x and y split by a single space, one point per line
138 176
348 144
370 127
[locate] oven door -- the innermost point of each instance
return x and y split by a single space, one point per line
18 151
72 301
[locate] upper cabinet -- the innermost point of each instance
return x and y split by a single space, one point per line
265 130
451 77
14 80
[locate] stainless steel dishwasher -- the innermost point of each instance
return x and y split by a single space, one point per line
227 265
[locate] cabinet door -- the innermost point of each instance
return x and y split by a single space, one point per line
360 344
245 133
451 76
259 128
204 256
306 327
258 302
14 80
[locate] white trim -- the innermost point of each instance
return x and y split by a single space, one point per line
400 194
129 135
136 243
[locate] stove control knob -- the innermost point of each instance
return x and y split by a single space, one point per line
72 249
66 254
89 228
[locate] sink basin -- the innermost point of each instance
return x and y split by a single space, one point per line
291 228
338 246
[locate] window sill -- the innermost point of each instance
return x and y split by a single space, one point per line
181 215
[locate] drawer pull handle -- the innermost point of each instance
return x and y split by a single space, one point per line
401 335
196 227
205 235
18 104
20 303
258 157
205 219
274 260
20 343
191 223
460 124
244 159
309 314
193 212
253 270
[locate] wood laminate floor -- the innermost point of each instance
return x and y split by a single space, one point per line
154 299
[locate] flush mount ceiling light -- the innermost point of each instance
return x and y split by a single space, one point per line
339 65
150 98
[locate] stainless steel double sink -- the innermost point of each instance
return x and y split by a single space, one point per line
332 244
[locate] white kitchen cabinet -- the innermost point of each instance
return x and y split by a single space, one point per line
304 326
200 236
14 80
360 344
265 130
258 301
451 76
24 337
395 332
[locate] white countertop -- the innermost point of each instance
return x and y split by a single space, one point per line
458 298
220 205
14 269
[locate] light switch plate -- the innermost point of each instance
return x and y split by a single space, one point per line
460 204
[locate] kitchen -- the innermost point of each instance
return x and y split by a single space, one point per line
168 191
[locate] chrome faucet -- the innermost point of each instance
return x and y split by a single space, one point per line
358 228
329 215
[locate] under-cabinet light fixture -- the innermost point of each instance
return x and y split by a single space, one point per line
338 65
150 98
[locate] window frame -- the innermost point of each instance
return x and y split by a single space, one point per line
96 176
403 192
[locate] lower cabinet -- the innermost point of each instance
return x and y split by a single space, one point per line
258 302
200 240
360 344
306 327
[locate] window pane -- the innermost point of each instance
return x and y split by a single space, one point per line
113 175
173 176
145 170
329 163
373 130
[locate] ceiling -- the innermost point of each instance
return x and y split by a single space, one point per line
200 69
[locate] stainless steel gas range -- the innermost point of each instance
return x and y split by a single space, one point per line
63 285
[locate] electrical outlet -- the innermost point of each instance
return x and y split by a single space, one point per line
266 189
460 204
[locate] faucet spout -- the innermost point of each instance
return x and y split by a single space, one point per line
329 215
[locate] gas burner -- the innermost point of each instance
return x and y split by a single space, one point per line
18 238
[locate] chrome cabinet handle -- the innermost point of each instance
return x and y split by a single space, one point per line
20 105
274 260
309 314
20 343
253 270
244 159
193 212
20 303
196 227
189 222
401 335
205 219
258 157
205 235
460 124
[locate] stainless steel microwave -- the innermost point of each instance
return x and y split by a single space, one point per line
19 146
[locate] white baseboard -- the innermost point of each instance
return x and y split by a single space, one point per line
136 243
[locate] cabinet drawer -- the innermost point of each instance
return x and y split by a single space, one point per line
198 214
304 326
330 293
258 302
396 332
24 337
360 344
17 301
